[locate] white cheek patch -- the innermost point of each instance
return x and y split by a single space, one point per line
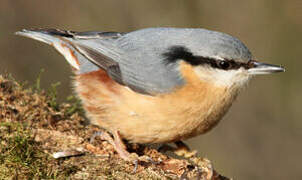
68 54
221 77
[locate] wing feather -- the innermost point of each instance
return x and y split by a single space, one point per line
104 62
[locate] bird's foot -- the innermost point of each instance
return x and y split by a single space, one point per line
121 149
117 144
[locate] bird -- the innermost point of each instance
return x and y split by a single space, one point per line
155 85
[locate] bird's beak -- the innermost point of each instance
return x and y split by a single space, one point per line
255 67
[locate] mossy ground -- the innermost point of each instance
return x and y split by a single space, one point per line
33 126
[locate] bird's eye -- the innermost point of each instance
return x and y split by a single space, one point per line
223 65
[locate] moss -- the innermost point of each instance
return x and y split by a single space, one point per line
20 156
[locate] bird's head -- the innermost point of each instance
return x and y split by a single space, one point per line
219 58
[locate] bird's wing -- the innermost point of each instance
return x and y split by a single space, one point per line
104 62
93 46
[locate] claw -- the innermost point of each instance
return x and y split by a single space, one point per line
92 139
152 161
135 162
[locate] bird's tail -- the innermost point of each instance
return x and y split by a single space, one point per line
61 41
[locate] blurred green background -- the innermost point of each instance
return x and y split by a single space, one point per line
260 138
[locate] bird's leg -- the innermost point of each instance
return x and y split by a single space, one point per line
181 149
121 148
118 145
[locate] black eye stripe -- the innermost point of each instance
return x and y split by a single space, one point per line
176 53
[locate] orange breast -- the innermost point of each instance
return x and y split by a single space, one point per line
188 111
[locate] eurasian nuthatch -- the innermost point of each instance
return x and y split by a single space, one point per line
155 85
